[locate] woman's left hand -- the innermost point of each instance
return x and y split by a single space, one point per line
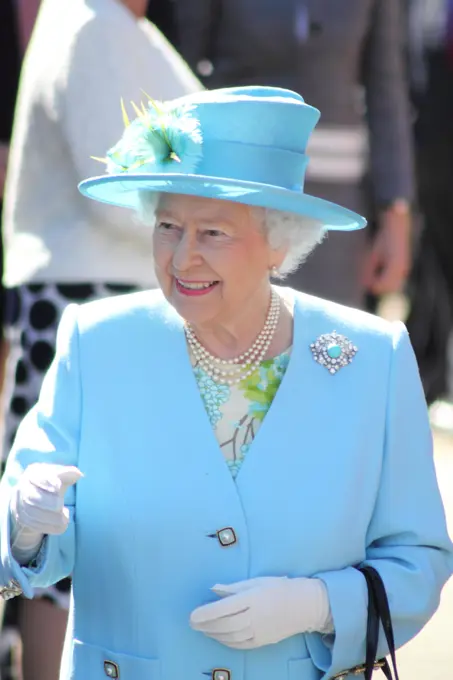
264 611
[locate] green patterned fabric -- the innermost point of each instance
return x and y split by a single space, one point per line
237 411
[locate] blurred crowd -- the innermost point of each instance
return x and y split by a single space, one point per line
381 73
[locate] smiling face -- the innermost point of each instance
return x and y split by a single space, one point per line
212 258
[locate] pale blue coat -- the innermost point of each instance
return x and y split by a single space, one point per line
341 471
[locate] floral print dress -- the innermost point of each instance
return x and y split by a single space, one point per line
237 411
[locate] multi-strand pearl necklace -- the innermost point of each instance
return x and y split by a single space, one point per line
232 371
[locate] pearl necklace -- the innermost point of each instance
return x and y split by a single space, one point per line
232 371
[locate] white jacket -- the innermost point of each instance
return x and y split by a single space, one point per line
84 56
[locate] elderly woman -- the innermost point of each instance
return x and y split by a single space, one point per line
214 493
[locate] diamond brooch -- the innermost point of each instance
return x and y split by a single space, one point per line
334 351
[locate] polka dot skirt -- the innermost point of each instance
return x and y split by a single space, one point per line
32 316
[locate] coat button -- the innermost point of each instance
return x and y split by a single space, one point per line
221 674
226 538
111 669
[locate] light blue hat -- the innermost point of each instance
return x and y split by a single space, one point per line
244 144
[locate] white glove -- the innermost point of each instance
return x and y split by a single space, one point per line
37 506
264 611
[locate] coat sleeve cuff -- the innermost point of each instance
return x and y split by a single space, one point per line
345 649
41 572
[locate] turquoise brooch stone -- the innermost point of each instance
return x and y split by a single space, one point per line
333 351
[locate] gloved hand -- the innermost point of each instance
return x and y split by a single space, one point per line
37 506
264 611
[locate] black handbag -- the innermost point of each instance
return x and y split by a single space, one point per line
378 613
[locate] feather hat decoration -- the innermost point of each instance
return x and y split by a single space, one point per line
163 138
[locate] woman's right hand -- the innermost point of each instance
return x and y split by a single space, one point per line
37 503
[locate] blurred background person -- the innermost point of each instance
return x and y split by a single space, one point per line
430 320
83 58
347 59
10 57
16 23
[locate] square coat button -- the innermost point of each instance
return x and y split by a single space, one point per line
226 538
111 669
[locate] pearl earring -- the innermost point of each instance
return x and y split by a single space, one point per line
275 273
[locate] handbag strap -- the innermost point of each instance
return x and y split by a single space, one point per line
378 612
372 631
385 616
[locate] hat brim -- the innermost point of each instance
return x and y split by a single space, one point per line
121 191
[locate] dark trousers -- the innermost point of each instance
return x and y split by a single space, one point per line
430 322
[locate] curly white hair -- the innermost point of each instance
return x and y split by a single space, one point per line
298 234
